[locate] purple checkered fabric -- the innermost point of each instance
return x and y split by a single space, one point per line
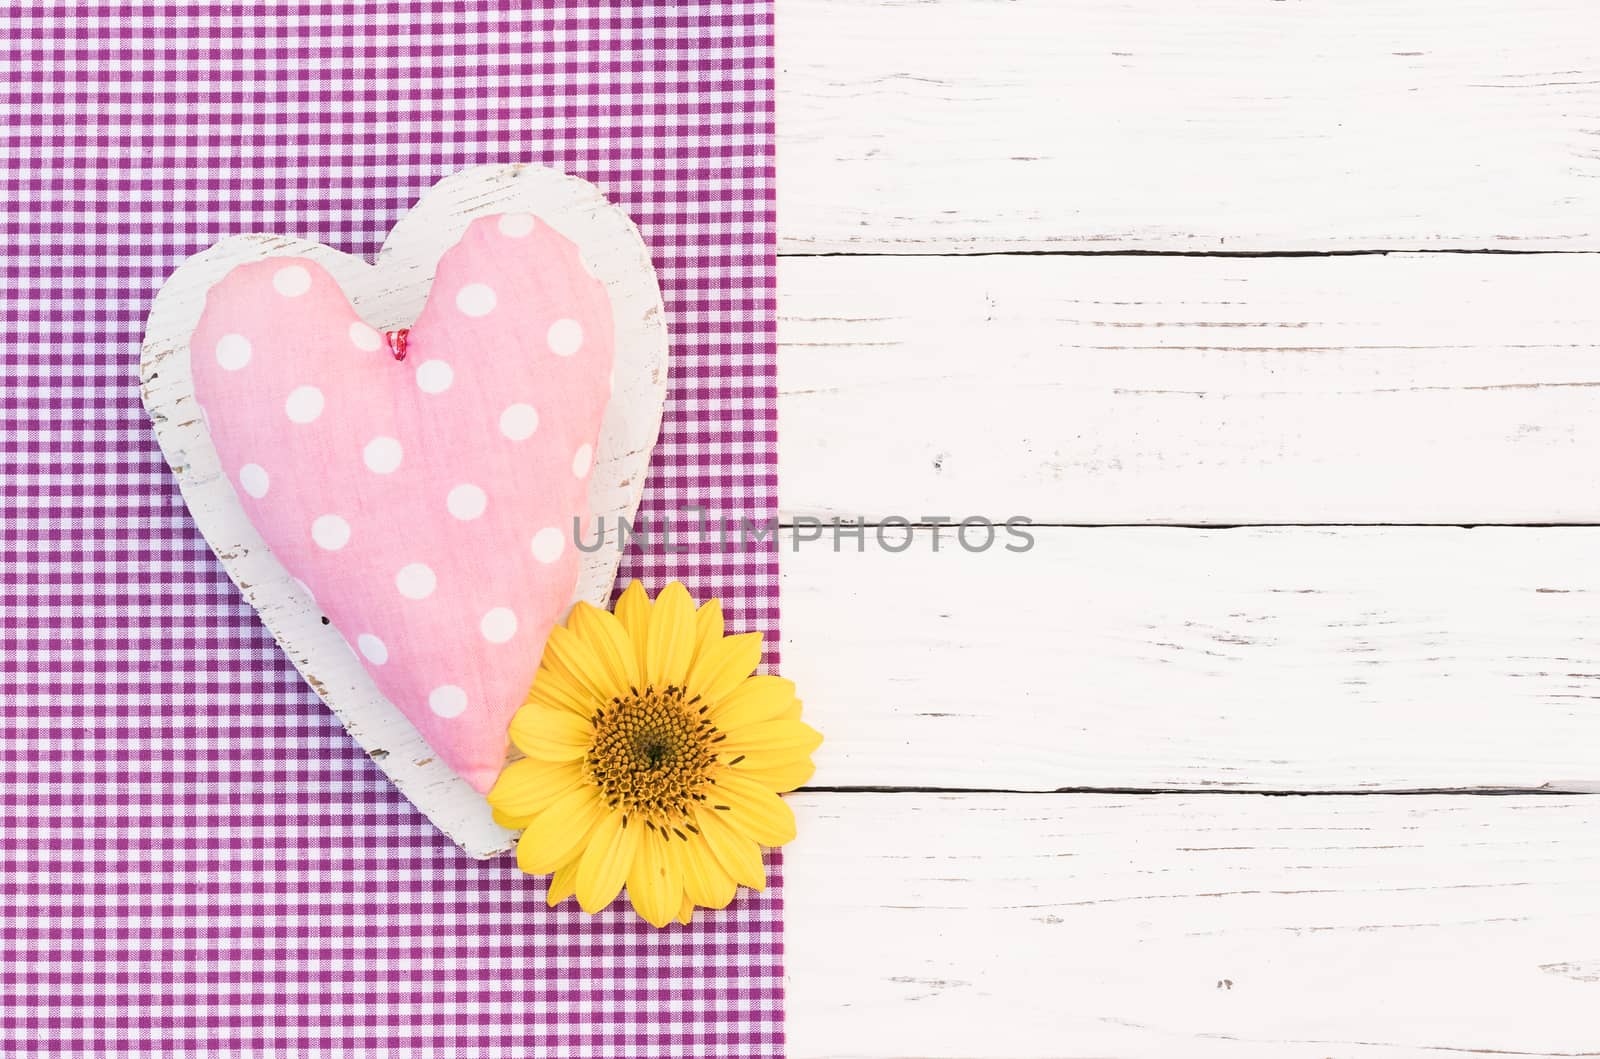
197 859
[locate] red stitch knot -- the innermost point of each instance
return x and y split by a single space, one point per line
396 341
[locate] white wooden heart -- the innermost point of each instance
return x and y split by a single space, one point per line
389 294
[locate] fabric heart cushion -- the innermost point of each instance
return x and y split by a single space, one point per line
427 502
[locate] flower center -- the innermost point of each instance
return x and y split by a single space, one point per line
652 753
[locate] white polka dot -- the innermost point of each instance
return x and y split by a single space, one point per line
519 421
253 477
466 502
517 225
304 404
447 700
364 338
331 532
499 625
434 376
233 352
291 281
547 544
375 650
415 581
581 460
382 455
475 299
565 337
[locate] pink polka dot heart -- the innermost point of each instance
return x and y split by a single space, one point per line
426 503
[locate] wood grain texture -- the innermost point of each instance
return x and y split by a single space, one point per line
1004 927
389 294
1421 388
1433 388
972 125
1256 659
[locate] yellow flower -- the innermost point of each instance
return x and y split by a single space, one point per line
654 759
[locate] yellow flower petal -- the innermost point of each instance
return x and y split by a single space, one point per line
669 644
560 831
527 787
781 777
508 821
707 625
559 691
771 741
739 856
656 893
758 699
633 613
551 735
686 913
673 852
570 654
606 637
723 665
705 881
603 867
753 810
563 884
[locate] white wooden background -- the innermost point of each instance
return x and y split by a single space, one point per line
1284 317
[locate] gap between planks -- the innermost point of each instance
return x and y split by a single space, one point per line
791 522
1569 789
1245 254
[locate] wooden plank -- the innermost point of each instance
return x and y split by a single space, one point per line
1259 659
969 125
1434 388
1006 927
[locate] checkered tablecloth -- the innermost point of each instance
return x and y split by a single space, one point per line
196 859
